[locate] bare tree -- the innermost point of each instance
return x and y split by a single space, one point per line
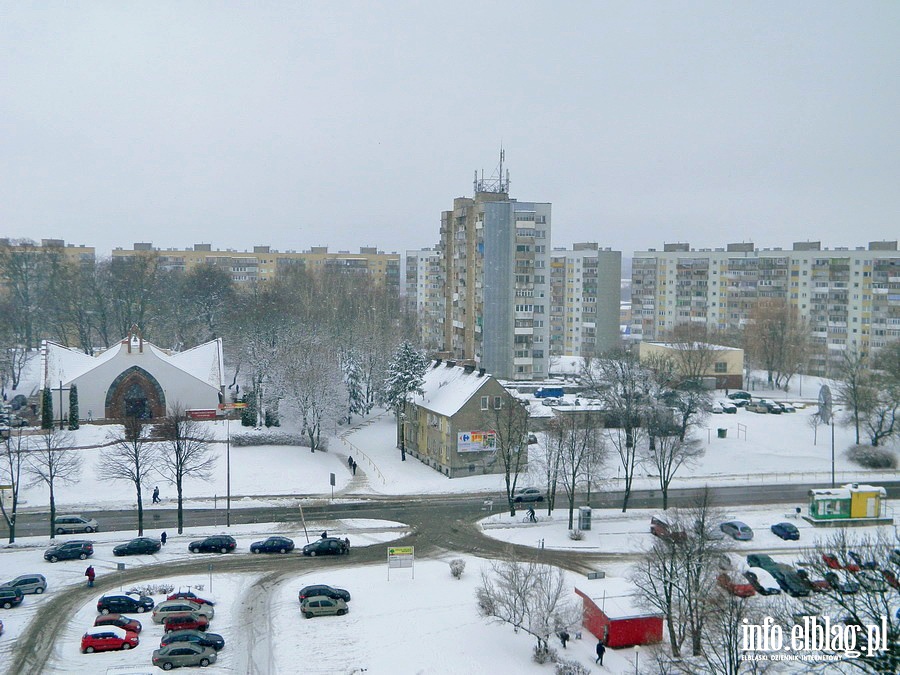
52 461
133 458
509 422
621 383
854 386
12 463
527 595
666 456
692 354
184 452
581 446
777 338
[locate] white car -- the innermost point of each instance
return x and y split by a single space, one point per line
716 408
180 608
728 407
762 581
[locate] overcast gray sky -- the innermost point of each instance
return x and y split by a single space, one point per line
297 124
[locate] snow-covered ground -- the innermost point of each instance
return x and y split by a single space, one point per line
423 624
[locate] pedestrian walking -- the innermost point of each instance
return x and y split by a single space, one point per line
601 650
346 544
563 637
350 461
156 499
162 538
353 467
324 534
90 574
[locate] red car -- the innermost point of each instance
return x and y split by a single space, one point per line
106 638
120 620
738 589
891 578
188 595
185 622
835 564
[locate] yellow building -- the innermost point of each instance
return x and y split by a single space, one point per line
264 263
853 501
715 363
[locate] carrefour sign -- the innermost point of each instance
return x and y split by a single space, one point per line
475 441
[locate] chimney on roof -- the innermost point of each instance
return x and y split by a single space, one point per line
469 368
451 364
481 372
437 362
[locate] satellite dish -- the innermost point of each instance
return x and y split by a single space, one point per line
825 404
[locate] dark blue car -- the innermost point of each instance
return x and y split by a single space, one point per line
273 545
786 531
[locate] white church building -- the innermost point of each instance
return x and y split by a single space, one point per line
133 378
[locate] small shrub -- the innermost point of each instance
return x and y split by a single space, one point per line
544 655
872 457
269 438
566 667
457 567
576 535
152 589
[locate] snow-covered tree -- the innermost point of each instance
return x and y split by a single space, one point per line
405 372
356 398
73 408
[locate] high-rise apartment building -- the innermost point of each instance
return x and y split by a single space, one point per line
425 295
584 300
495 264
849 297
49 248
264 263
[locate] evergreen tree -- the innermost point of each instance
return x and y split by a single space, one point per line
405 373
46 409
356 397
73 408
248 414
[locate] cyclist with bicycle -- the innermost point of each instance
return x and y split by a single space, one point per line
530 514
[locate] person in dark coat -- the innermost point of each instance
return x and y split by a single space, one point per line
353 467
324 534
90 574
162 538
156 495
601 650
350 461
346 544
563 637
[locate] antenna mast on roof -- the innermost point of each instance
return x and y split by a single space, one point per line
498 182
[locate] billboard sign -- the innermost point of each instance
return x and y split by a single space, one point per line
476 441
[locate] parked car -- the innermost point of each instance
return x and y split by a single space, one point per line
196 637
832 562
762 582
891 578
185 622
660 527
528 494
273 545
106 638
790 583
736 588
895 556
715 408
740 395
787 407
728 407
786 531
861 562
815 585
121 604
29 583
190 595
178 607
327 546
119 620
322 589
737 530
761 560
75 524
871 581
219 543
138 546
10 597
841 584
321 605
183 654
69 550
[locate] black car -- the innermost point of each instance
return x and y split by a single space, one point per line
122 604
76 548
213 640
273 545
10 597
327 591
138 546
220 543
740 395
326 546
790 583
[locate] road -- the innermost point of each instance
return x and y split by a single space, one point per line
437 523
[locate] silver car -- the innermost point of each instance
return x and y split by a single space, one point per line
183 654
737 530
29 583
73 524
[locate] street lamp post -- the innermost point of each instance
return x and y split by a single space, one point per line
227 470
637 657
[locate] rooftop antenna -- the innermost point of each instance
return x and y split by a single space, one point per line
498 182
